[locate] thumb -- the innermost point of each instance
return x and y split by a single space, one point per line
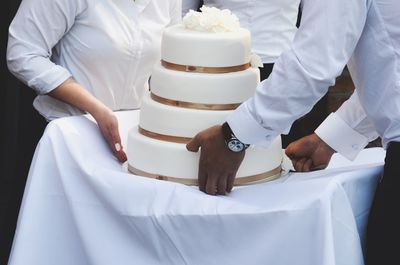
292 151
194 144
304 147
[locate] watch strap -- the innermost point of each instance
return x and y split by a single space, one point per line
228 134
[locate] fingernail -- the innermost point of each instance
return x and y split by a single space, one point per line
117 147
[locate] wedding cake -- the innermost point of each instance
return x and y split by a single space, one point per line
206 71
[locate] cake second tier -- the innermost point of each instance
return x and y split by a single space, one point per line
204 88
169 120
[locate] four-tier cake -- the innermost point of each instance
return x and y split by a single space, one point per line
204 74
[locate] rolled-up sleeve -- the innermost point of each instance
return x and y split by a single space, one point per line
324 43
34 31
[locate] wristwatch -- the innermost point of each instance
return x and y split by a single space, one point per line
232 143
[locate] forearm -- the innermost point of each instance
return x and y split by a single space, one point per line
302 75
73 93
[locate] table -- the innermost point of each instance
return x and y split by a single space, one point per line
81 206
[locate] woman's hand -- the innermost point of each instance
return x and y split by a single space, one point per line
73 93
108 125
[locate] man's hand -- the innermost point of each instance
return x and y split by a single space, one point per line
309 153
218 165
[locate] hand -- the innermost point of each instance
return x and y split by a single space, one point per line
73 93
309 153
108 125
218 165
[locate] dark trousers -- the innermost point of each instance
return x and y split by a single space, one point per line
383 222
306 124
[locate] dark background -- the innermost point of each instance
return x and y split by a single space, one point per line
19 127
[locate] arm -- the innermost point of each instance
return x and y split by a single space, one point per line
35 30
347 131
323 44
73 93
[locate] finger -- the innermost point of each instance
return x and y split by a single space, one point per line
222 184
290 152
211 185
116 138
307 165
119 152
202 177
294 161
319 167
229 182
194 144
299 164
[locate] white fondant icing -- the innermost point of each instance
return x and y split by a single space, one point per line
229 88
191 48
194 48
173 160
177 121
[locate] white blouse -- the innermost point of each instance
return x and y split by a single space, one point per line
108 46
272 23
365 34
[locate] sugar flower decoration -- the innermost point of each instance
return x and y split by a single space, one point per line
211 19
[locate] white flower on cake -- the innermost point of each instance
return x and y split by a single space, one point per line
211 19
256 61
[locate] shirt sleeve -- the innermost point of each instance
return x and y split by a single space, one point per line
35 30
325 41
176 12
348 130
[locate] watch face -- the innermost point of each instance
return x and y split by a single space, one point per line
235 145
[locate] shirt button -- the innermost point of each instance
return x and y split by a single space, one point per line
355 146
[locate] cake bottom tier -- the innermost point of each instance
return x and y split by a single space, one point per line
164 160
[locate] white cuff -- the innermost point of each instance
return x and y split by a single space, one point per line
247 129
341 137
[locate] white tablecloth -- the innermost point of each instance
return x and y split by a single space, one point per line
82 207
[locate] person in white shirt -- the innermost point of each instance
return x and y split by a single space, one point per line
84 56
365 35
273 25
88 56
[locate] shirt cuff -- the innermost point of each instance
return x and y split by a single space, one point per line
341 137
247 129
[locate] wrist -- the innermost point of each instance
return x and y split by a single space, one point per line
231 141
98 110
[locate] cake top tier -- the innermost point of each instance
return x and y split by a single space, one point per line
212 48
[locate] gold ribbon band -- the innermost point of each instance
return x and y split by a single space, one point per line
208 70
190 105
266 176
164 137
